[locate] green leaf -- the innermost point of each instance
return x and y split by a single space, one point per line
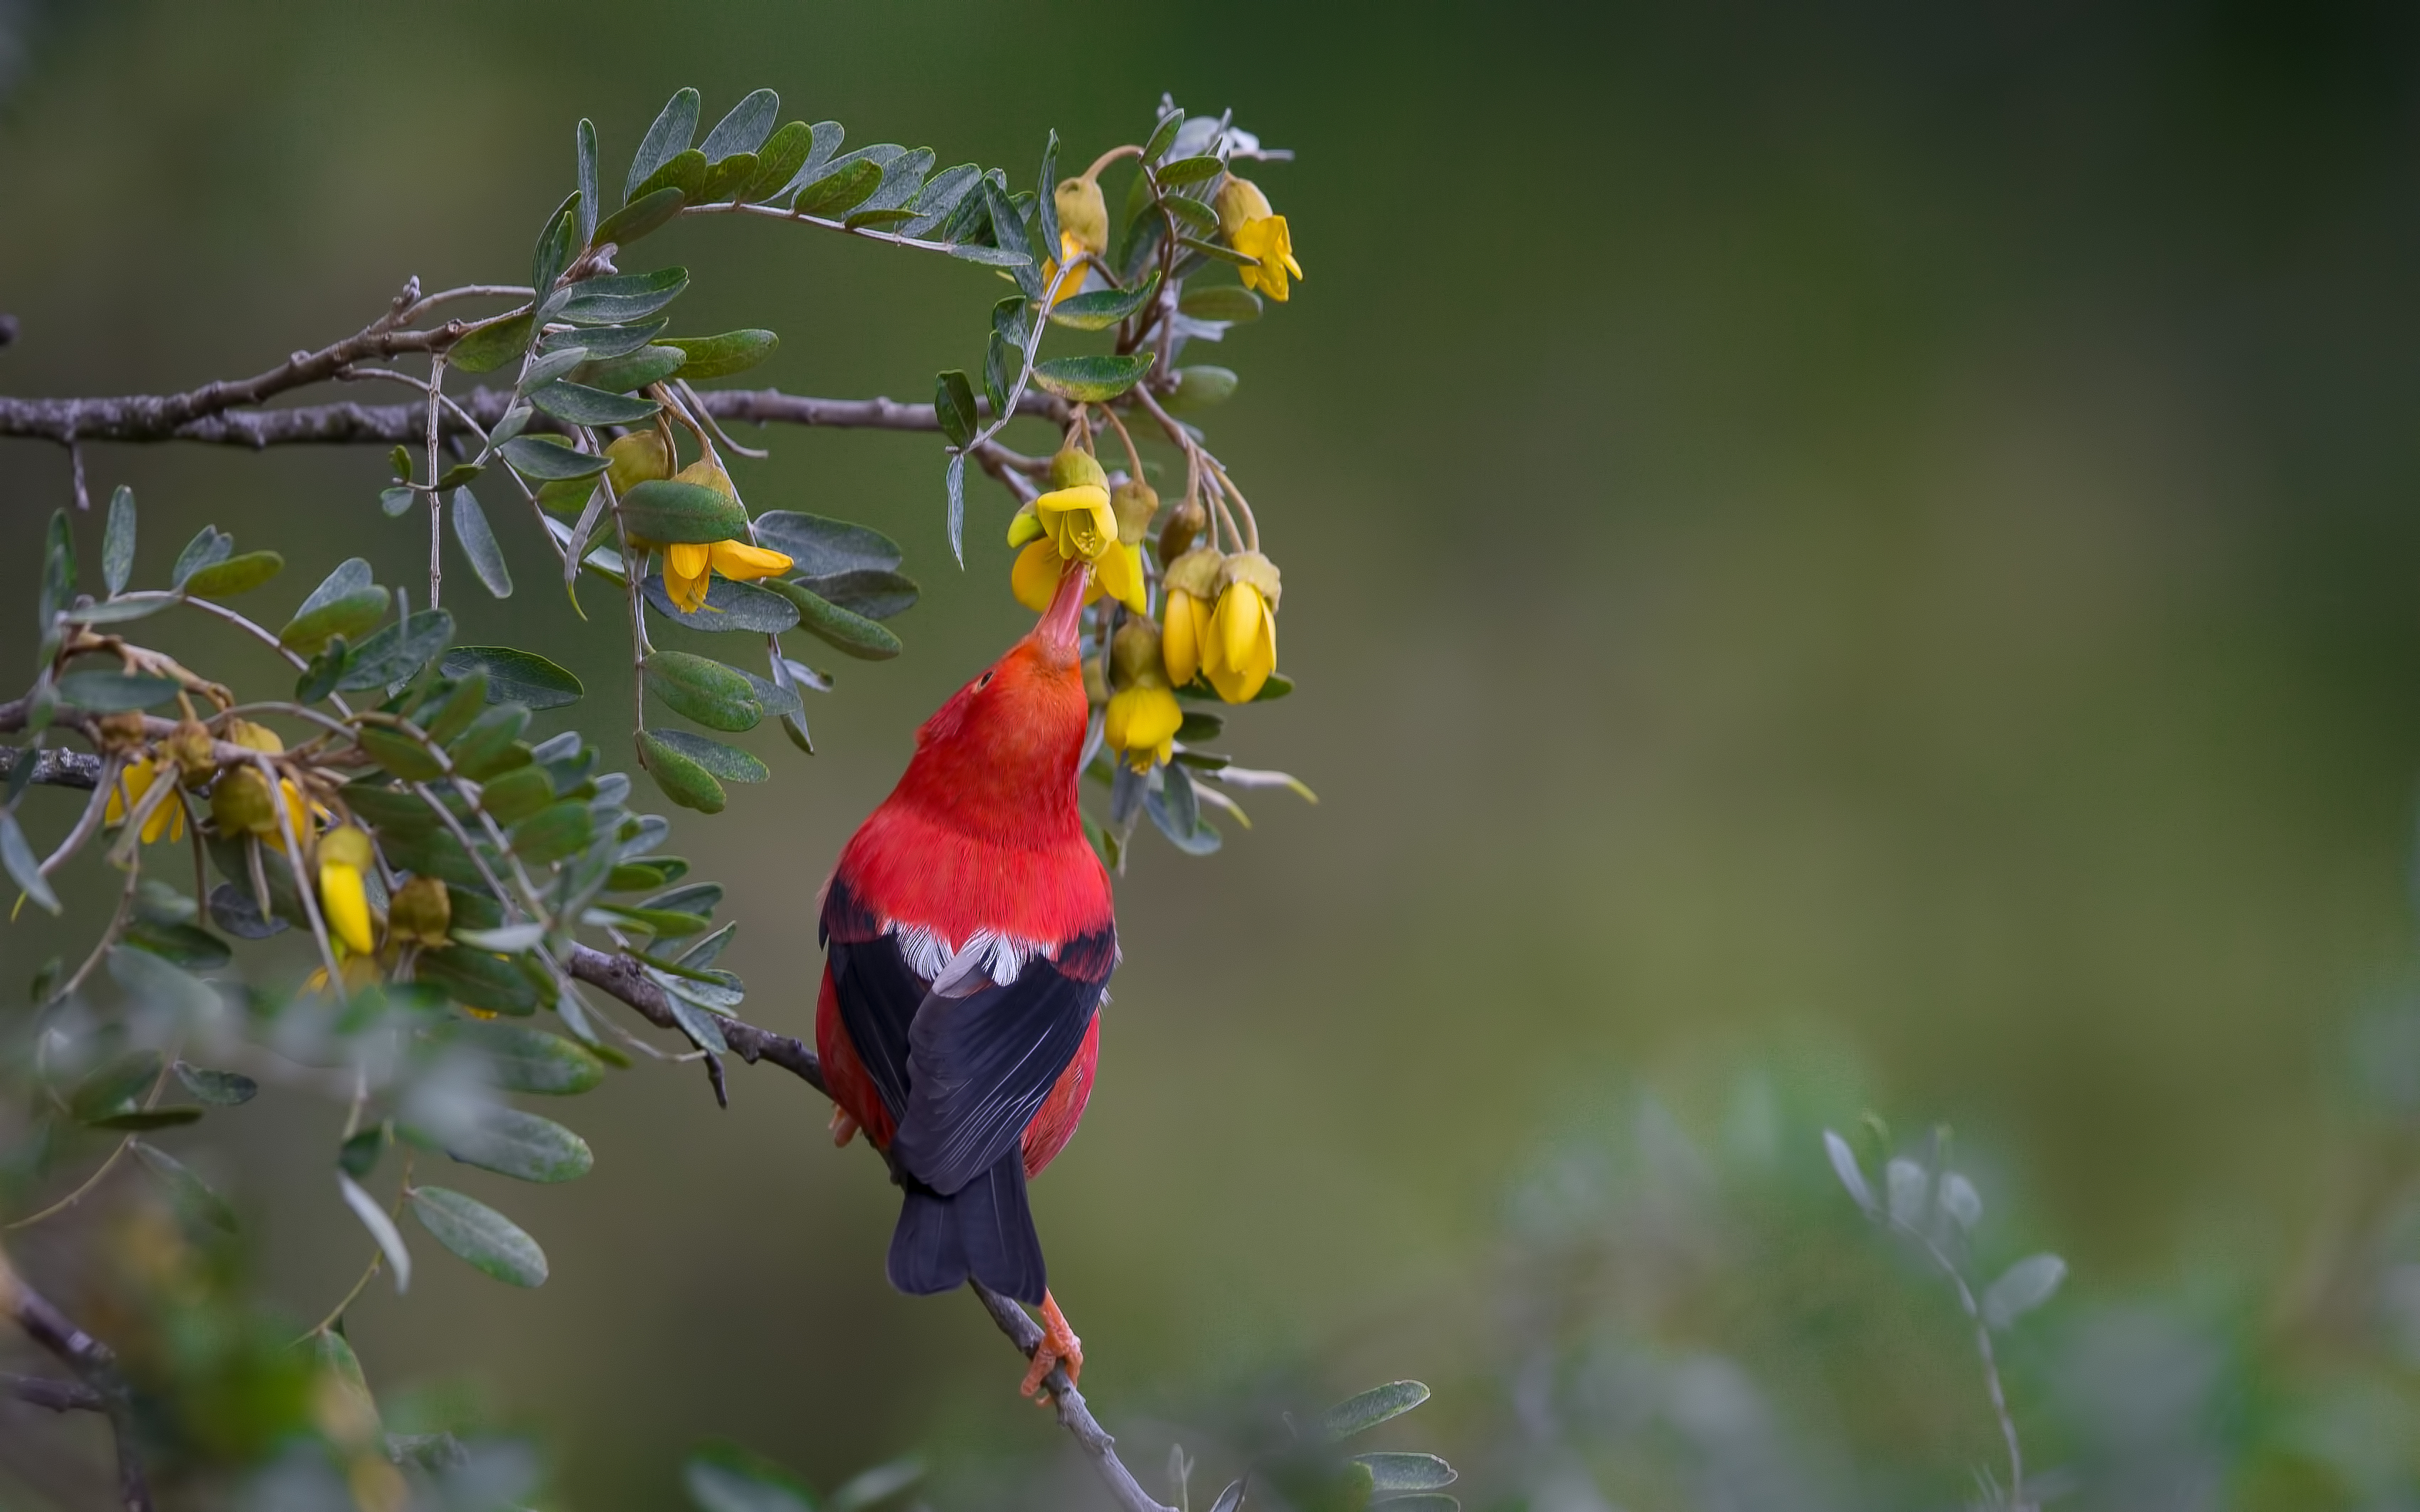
745 129
547 459
109 692
1176 810
730 607
683 781
479 1234
623 375
877 595
1216 249
319 676
1163 136
580 405
1278 686
869 1488
523 1059
1046 201
953 491
684 171
881 219
478 543
1372 1407
397 501
491 744
195 1204
24 869
623 297
941 197
601 342
144 1118
667 137
844 630
397 652
231 576
358 1154
476 978
668 923
704 689
1200 387
119 610
734 351
386 808
819 547
389 1244
517 793
1103 308
118 542
515 676
666 512
2021 1288
556 831
117 1086
399 754
184 944
352 577
840 190
551 365
555 243
637 219
1230 302
779 160
1091 379
583 142
490 345
204 548
1000 361
729 763
351 616
1190 170
219 1089
1407 1472
954 404
990 257
724 1478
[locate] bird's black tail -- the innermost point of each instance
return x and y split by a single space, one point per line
983 1229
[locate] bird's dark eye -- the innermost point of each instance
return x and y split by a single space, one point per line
984 681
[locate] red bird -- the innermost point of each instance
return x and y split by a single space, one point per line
969 936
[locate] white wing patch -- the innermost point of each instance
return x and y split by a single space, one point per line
987 959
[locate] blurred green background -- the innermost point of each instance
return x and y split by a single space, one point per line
1874 537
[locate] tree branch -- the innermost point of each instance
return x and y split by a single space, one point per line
160 418
1072 1414
58 1395
57 768
94 1363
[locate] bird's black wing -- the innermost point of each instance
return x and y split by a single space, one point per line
877 993
978 1066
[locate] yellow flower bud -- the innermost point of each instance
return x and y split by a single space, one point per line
189 747
420 913
241 804
1142 722
1083 214
253 736
1097 690
1133 502
1241 649
1024 526
1191 585
1134 656
120 732
344 899
641 456
707 473
1239 201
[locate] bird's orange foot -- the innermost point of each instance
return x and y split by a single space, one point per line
1059 1345
843 1128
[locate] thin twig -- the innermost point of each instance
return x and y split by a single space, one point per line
1069 1403
58 1395
94 1363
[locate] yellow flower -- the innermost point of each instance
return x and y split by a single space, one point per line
1241 649
1257 231
344 855
134 784
1191 584
1142 715
689 566
1078 520
1035 578
1083 217
359 971
1075 521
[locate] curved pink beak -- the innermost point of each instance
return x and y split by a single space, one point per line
1056 632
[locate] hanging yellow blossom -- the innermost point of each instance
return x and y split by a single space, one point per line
420 914
1189 589
1074 522
1241 649
1142 715
1257 231
134 784
239 798
344 858
690 567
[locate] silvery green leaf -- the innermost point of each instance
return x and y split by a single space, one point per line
1909 1188
510 939
24 869
585 148
152 980
381 1228
1959 1200
487 1239
192 1197
478 543
745 129
1844 1165
207 546
870 1486
2023 1287
1370 1408
721 1480
1407 1472
953 482
666 139
546 369
118 542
